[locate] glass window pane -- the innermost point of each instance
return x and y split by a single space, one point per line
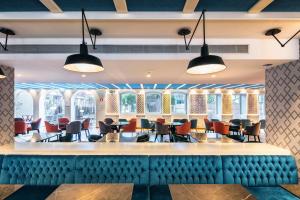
23 104
178 103
84 106
54 106
153 102
236 106
214 106
128 103
261 102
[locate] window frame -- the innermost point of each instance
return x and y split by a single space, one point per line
186 103
146 100
120 102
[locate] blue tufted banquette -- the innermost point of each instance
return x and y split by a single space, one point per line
259 170
37 170
185 170
112 169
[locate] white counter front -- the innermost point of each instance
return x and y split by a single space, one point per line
142 149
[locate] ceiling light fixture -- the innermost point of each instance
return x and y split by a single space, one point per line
204 64
84 62
7 32
148 75
274 31
2 75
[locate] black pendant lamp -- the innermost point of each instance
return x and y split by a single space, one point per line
204 64
2 75
84 62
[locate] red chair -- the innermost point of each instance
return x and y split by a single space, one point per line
131 127
184 130
221 128
161 120
85 126
208 125
51 128
35 125
20 127
63 122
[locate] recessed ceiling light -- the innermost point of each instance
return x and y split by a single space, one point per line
19 75
83 75
148 75
213 75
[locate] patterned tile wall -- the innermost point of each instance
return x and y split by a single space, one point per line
166 103
252 103
197 104
227 103
7 124
112 102
283 107
140 103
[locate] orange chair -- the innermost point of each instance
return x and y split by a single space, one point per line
184 130
161 120
131 127
208 125
20 127
51 128
85 126
221 128
63 122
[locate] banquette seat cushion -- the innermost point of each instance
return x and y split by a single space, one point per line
37 170
259 170
185 170
112 169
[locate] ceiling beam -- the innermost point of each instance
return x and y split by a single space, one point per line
259 6
121 6
190 6
52 6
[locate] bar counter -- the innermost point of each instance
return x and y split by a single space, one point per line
142 149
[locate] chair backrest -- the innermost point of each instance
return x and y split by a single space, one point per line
161 129
86 123
207 124
161 120
245 122
194 123
63 120
145 123
184 129
19 119
36 124
74 127
50 128
20 127
262 123
235 121
108 121
143 138
176 120
220 127
183 120
104 128
123 120
131 127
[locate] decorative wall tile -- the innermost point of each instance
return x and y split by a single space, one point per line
227 103
252 103
140 103
166 103
7 123
112 102
283 107
197 104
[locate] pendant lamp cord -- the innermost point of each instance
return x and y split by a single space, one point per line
283 44
84 21
187 45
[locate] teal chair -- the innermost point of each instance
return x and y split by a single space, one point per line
145 125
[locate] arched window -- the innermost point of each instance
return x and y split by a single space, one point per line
214 106
54 106
83 106
23 104
239 106
261 104
153 102
128 102
178 103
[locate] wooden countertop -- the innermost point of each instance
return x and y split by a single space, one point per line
85 148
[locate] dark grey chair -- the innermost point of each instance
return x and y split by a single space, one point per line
235 127
123 120
194 123
183 120
74 128
176 120
108 121
143 138
245 123
162 130
145 125
104 128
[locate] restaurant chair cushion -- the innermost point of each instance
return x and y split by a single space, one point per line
185 170
112 169
259 170
37 170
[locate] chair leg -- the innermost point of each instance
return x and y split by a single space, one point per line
258 138
254 138
161 138
248 137
155 137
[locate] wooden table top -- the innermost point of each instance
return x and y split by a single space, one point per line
209 192
92 191
6 190
293 188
